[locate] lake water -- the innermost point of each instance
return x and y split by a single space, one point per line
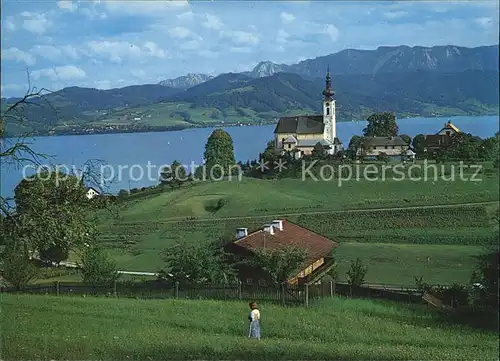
134 151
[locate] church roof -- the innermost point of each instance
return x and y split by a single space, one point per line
302 124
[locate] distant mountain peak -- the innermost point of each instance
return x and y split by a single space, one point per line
186 81
267 68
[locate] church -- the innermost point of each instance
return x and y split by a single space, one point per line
299 134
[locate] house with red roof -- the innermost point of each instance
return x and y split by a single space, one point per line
281 234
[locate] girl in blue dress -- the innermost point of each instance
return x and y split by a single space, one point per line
254 318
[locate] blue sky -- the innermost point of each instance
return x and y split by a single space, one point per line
106 44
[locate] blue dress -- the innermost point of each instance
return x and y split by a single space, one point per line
254 331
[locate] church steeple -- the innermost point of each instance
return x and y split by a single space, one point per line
328 92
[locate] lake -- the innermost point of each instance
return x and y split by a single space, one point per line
145 153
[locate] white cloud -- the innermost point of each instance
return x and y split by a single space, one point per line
241 37
138 73
187 16
17 55
282 36
208 54
92 13
287 17
66 72
212 22
9 24
154 50
67 6
116 51
48 52
35 23
484 22
180 32
154 8
190 45
240 49
332 32
395 14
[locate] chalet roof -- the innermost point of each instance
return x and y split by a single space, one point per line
315 245
450 125
302 124
91 188
375 141
290 140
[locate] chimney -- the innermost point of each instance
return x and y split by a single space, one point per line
241 232
268 228
278 224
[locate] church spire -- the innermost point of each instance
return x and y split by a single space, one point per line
328 92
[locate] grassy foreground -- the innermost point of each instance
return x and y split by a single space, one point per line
51 328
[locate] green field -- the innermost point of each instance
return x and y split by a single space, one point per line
67 328
181 113
394 243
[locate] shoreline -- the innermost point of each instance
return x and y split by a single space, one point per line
174 128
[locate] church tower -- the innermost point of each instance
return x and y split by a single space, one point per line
330 130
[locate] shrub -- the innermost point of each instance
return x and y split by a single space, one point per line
356 273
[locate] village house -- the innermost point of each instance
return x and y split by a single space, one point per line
280 234
91 192
393 147
299 134
442 139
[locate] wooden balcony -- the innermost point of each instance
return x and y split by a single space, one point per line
319 272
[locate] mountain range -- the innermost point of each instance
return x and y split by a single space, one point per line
411 81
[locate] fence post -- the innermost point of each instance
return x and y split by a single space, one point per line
307 295
114 289
177 289
57 288
282 293
331 289
239 289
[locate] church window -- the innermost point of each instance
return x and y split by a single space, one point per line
328 110
289 146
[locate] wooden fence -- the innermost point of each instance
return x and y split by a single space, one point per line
299 295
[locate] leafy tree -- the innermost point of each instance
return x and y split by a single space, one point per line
196 263
355 144
52 210
356 273
418 143
464 146
486 275
174 175
381 125
16 266
219 151
97 268
269 154
318 151
55 253
280 264
489 148
406 138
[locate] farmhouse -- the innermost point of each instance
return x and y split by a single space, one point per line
91 192
281 234
442 139
299 134
393 147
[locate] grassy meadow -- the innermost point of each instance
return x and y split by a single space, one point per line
437 243
75 328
